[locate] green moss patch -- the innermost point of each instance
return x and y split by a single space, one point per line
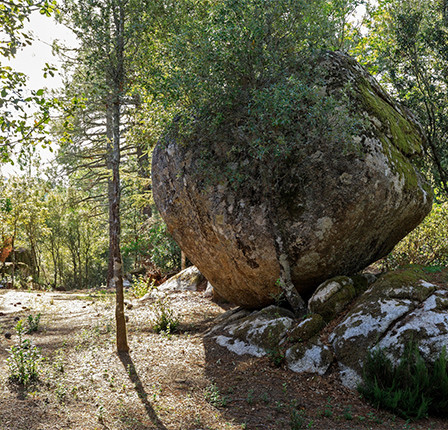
406 137
307 328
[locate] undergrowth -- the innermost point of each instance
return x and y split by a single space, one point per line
412 389
24 359
165 320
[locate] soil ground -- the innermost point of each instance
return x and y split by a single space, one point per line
180 381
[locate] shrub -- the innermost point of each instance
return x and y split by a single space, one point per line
141 286
24 359
33 323
427 244
163 251
413 389
164 317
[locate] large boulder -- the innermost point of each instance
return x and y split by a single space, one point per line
331 211
189 279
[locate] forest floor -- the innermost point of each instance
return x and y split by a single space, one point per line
181 381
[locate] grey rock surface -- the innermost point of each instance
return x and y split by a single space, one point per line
257 333
311 357
336 209
188 279
397 309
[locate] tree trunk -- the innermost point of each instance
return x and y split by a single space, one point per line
114 188
183 260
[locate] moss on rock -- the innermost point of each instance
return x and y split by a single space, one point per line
400 138
262 329
332 297
361 283
307 328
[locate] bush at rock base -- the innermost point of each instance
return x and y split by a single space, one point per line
412 389
427 244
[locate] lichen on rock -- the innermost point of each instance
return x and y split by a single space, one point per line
257 333
328 208
400 307
311 357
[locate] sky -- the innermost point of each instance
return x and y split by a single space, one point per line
31 61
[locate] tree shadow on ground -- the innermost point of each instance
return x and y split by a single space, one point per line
128 364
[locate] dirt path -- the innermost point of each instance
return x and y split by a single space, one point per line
182 381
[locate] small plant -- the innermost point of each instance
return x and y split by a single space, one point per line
348 413
141 286
24 359
265 397
412 389
100 414
328 411
297 420
276 356
214 397
33 323
164 317
250 397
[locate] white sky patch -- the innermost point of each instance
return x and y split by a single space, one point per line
31 61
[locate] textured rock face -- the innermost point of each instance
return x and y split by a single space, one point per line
257 333
397 309
332 297
339 209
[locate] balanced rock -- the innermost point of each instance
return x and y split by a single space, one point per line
331 211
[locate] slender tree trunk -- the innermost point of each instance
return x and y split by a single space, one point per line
114 196
13 256
110 191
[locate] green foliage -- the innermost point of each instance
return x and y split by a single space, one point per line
246 78
214 397
33 323
164 252
297 420
426 245
164 320
141 286
24 359
276 355
17 124
412 389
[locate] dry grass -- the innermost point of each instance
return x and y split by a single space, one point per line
181 381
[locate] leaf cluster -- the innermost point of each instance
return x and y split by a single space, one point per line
245 77
24 359
412 389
